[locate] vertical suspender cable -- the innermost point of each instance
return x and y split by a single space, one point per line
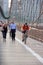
10 9
40 12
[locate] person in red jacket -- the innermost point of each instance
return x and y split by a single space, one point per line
25 28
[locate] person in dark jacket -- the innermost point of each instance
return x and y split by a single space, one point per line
4 31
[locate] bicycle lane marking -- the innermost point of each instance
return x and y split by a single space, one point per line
30 50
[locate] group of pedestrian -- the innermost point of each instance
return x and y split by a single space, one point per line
12 27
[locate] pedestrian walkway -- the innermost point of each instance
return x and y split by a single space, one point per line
17 53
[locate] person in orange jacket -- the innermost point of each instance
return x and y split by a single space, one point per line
24 28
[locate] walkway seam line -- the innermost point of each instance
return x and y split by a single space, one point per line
30 50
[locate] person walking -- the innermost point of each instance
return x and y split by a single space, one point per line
13 30
4 31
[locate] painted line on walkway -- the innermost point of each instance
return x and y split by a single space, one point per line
31 51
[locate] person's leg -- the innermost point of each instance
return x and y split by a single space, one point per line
22 36
4 36
14 33
14 36
23 32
